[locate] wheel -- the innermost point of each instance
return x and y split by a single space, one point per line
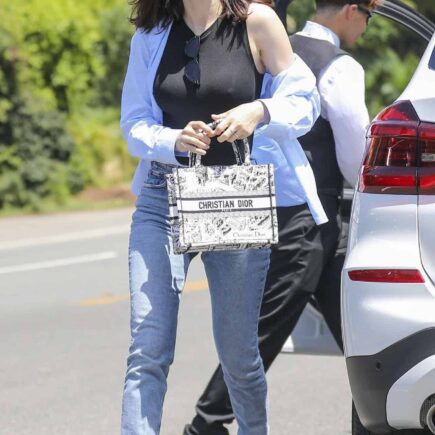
359 429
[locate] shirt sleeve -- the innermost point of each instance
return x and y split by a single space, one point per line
146 137
342 92
292 101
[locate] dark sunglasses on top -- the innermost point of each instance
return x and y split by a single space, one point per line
191 70
366 11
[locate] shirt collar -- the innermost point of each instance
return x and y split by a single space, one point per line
315 30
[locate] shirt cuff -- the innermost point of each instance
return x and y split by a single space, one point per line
273 111
166 145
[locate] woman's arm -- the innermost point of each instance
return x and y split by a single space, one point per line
289 99
270 44
146 137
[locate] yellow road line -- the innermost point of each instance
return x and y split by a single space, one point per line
104 300
108 298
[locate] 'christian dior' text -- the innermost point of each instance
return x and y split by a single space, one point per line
228 203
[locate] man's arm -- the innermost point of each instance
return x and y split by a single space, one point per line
342 91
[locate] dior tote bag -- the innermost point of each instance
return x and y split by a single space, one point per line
222 207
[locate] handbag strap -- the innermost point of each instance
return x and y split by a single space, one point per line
245 159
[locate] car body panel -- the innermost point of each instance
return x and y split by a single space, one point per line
379 314
422 85
406 395
375 315
426 223
376 222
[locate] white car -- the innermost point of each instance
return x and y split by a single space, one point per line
388 281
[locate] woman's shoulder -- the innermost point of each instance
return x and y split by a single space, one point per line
261 15
143 35
146 41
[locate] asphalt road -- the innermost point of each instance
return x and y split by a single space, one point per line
64 319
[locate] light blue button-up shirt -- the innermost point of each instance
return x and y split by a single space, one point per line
290 97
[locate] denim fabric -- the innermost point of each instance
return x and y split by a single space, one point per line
236 281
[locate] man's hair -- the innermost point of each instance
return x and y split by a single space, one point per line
338 4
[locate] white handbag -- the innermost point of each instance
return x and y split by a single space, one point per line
222 207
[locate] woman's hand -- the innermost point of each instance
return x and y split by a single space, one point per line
194 138
238 123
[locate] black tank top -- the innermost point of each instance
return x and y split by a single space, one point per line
228 78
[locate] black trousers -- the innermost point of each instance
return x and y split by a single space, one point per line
305 262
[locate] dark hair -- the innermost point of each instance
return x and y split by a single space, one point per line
147 14
322 4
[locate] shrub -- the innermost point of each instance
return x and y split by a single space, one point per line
61 71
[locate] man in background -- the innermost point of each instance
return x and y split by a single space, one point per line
303 264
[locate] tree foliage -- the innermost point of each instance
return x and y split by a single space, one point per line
61 70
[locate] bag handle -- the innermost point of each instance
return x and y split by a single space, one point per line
195 159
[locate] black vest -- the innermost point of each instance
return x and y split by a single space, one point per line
319 144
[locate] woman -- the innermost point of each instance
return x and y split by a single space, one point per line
193 61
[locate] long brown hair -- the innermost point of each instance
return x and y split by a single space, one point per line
147 14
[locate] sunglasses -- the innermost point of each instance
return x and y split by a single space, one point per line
366 11
191 70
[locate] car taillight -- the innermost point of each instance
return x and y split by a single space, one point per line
390 162
404 276
400 157
427 162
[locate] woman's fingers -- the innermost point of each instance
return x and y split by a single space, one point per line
221 127
194 138
230 130
203 142
201 127
186 147
238 123
219 116
201 137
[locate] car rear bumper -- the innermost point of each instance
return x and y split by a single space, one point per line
397 378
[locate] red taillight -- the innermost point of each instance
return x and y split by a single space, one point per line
386 179
400 157
427 160
405 276
399 111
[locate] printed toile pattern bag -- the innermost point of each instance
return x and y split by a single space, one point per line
222 207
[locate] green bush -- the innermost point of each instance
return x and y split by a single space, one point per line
61 71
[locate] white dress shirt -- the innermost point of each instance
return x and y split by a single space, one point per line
342 97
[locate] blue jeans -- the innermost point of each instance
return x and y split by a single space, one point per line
236 281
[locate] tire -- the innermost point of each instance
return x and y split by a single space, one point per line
359 429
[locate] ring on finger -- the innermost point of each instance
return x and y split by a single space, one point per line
234 133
